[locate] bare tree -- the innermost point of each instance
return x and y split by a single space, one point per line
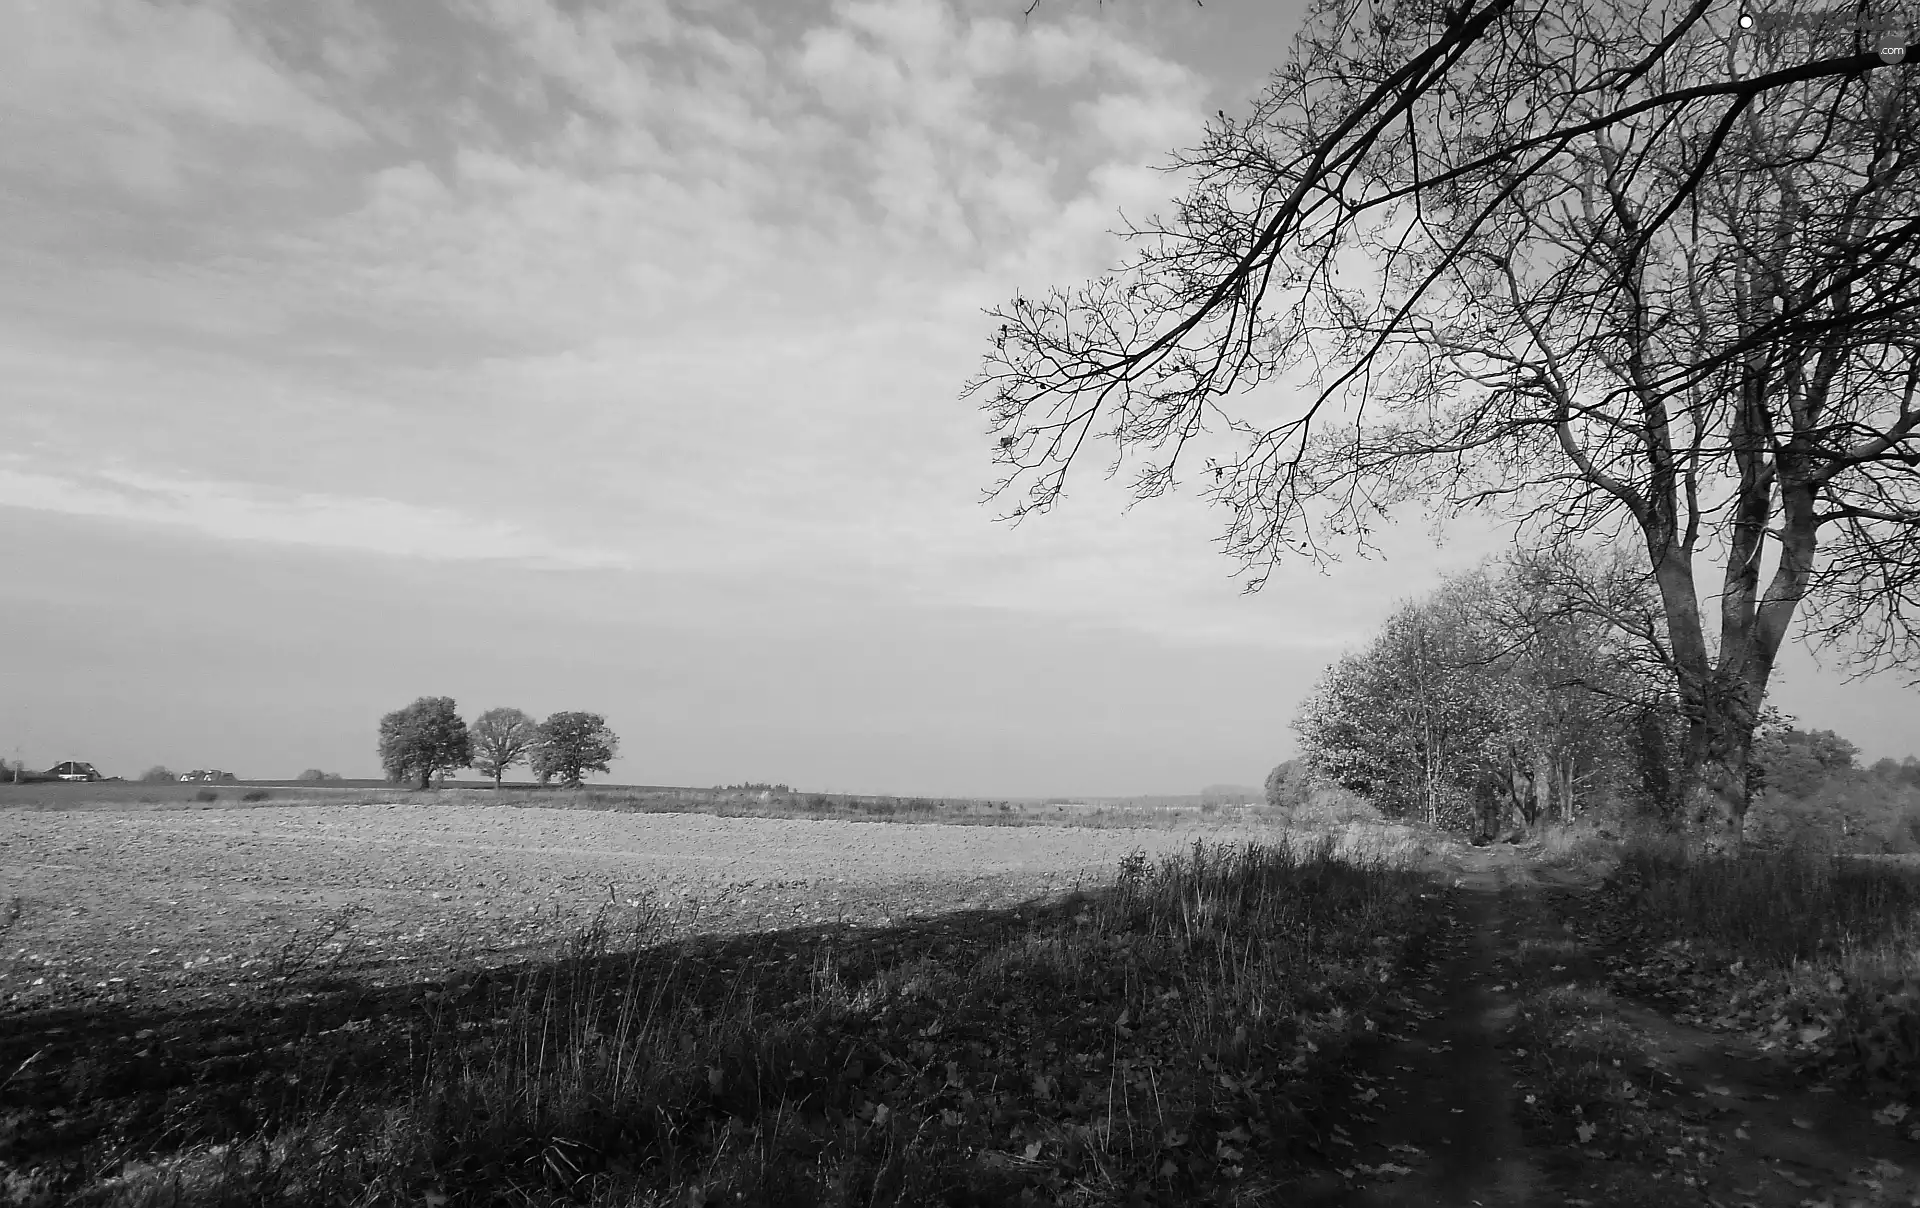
502 738
1614 268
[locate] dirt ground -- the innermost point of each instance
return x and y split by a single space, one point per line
1434 1113
111 904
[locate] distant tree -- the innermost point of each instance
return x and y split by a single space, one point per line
569 745
502 738
424 739
157 774
317 774
1288 785
1797 762
1898 771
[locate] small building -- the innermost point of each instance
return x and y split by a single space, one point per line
73 769
199 776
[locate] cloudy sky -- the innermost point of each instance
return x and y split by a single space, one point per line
579 357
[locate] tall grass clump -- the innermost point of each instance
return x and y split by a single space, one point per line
1159 1040
1771 904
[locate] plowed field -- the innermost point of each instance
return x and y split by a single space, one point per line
120 903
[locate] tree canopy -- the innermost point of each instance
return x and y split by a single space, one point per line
501 738
1621 269
1513 689
569 745
423 740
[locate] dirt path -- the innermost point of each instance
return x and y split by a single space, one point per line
1451 1112
1431 1120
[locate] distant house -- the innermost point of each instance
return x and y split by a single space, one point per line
209 775
73 769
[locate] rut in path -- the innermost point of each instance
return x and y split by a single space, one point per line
1440 1119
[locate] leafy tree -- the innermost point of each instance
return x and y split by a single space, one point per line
424 740
1394 723
1564 648
569 745
502 738
1619 289
1797 762
158 775
1520 687
1898 771
1289 785
317 774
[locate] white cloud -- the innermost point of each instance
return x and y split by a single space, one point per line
123 58
238 512
139 94
705 320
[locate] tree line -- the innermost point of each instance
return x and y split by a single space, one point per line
1518 689
428 739
1539 684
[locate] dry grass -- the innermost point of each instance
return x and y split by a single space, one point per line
1813 954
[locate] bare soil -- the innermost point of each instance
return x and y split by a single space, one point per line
1441 1113
106 905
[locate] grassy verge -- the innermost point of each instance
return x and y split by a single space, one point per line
1814 956
1158 1041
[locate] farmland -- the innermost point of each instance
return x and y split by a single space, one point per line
469 998
178 897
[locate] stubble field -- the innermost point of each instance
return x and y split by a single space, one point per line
111 904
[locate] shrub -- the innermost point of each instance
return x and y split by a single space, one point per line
255 795
206 795
1289 785
157 774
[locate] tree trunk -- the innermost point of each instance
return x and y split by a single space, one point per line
497 772
426 779
1520 787
1566 777
1542 785
1720 747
